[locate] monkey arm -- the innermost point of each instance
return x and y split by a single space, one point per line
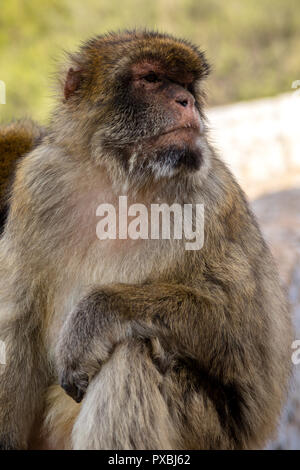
23 380
187 321
26 371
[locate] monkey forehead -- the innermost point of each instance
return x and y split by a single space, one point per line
143 67
169 56
115 54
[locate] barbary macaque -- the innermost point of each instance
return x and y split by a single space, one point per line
155 345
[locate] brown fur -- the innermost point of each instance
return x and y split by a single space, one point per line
171 349
16 140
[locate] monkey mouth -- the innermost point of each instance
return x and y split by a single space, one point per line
175 135
192 130
180 136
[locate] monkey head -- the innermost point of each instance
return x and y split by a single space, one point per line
137 98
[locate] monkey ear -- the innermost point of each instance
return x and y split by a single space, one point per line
72 82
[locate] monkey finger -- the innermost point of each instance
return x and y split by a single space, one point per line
75 384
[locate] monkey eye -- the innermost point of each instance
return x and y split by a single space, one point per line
151 77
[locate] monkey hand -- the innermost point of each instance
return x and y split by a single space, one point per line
75 373
75 382
87 340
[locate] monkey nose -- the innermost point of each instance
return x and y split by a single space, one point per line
185 101
188 115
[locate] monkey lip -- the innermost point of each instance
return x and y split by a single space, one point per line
180 135
183 129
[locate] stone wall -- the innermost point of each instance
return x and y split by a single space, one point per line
260 141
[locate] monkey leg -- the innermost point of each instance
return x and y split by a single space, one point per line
124 407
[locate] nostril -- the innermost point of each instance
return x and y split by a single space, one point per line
183 102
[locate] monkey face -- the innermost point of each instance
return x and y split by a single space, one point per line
173 126
145 95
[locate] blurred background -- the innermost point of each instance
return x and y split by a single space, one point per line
253 45
253 101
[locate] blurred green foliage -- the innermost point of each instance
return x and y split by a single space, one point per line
253 45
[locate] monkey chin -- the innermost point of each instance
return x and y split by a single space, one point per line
181 149
175 152
176 157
